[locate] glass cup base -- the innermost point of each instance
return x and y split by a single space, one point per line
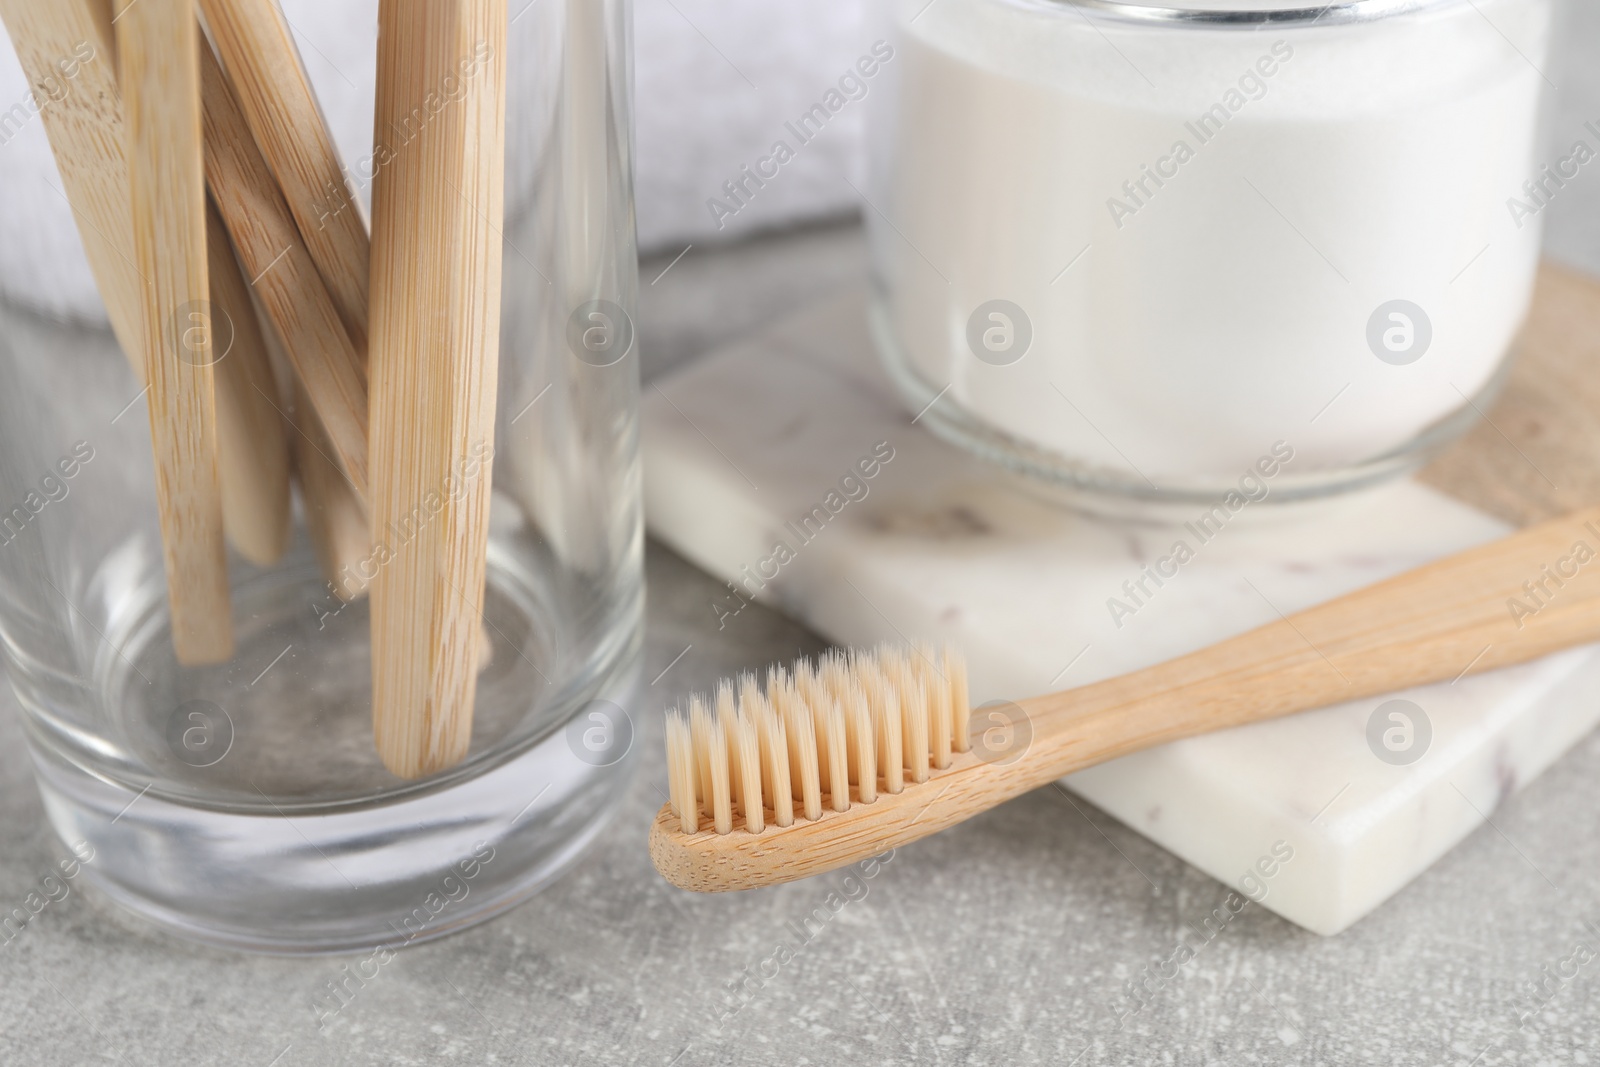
244 804
385 873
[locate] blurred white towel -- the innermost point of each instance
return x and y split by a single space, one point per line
715 81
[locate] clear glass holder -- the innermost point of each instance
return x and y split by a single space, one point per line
244 803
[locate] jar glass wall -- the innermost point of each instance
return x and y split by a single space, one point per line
1133 249
244 802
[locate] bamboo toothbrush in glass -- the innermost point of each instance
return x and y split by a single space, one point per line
85 129
158 60
829 764
436 274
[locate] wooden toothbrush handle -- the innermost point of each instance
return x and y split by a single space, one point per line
436 281
158 46
281 110
1506 602
1524 596
284 276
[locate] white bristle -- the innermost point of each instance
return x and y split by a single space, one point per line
805 776
808 690
827 718
884 708
755 815
773 739
849 727
744 752
830 731
860 747
777 680
681 774
713 744
726 712
936 688
955 672
699 729
913 713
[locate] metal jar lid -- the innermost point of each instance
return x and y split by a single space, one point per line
1244 14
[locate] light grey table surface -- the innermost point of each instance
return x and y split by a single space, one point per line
1009 940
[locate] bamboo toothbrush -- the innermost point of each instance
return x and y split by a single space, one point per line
336 519
436 206
277 100
826 766
283 274
252 445
85 132
269 84
158 50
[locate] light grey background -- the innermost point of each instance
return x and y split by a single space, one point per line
1572 232
715 81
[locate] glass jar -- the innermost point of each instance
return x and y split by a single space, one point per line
244 802
1137 251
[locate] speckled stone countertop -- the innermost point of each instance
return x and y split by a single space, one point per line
1015 939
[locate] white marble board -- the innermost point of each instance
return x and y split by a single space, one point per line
744 442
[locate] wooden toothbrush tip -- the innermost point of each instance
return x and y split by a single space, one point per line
709 862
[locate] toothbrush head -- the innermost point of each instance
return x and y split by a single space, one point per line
814 740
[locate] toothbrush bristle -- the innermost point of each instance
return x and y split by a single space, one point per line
823 735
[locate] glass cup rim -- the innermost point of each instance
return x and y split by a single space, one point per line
1285 13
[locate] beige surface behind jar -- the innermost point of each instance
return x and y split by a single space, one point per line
1537 453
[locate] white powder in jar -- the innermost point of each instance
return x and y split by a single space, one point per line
1199 223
